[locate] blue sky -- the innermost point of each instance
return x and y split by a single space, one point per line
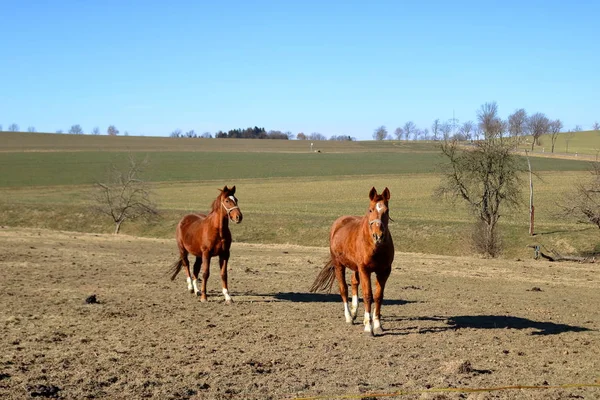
333 67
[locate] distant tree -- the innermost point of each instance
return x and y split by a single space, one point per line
31 129
0 127
446 130
517 123
220 134
301 136
277 135
467 130
96 131
409 129
380 133
126 133
206 135
486 178
176 133
76 130
417 133
112 131
555 127
435 129
13 127
316 136
577 128
60 131
290 135
538 124
399 132
342 138
190 134
595 127
125 195
425 134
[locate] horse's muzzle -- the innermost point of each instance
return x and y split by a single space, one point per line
237 218
378 238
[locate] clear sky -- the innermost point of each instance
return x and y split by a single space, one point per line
333 67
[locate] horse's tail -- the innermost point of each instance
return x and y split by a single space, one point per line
325 278
175 268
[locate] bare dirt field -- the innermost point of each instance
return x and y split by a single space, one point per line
449 323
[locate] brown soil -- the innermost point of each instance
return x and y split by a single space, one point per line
449 323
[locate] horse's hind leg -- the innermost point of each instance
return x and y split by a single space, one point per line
186 268
340 274
380 280
195 274
354 307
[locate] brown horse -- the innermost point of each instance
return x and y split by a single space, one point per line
363 244
206 236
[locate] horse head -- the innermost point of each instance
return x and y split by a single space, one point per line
230 204
378 214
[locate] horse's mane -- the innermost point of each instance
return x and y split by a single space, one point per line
215 204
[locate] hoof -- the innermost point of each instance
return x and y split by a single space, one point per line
368 333
377 332
197 293
350 322
230 301
203 299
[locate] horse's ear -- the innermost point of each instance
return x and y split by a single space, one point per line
232 190
225 189
372 193
386 194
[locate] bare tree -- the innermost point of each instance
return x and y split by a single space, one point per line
584 202
538 124
206 135
517 123
317 136
446 130
555 127
595 127
31 129
76 130
125 195
13 127
435 129
569 136
96 131
409 129
466 129
577 128
486 178
399 132
112 131
190 134
380 133
60 131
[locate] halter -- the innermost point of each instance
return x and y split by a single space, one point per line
229 210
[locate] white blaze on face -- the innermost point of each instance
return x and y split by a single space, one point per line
379 207
233 199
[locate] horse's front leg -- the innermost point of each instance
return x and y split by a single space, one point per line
365 283
380 280
354 308
205 274
223 259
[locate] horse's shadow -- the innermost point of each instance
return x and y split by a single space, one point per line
492 322
297 297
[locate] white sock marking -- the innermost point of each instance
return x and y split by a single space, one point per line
195 283
354 308
189 283
347 313
226 294
367 322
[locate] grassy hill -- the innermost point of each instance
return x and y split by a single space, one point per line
288 194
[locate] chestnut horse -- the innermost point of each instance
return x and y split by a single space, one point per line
364 245
206 236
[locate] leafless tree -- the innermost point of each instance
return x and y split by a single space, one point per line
96 131
112 131
555 127
577 128
491 125
486 178
568 137
595 127
409 129
206 135
446 130
399 132
190 134
435 129
125 195
31 129
317 136
13 127
60 131
538 124
517 123
76 130
584 202
467 129
380 133
425 134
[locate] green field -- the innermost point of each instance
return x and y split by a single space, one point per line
287 193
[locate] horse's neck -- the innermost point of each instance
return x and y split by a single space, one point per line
221 220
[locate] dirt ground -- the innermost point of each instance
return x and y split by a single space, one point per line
449 323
